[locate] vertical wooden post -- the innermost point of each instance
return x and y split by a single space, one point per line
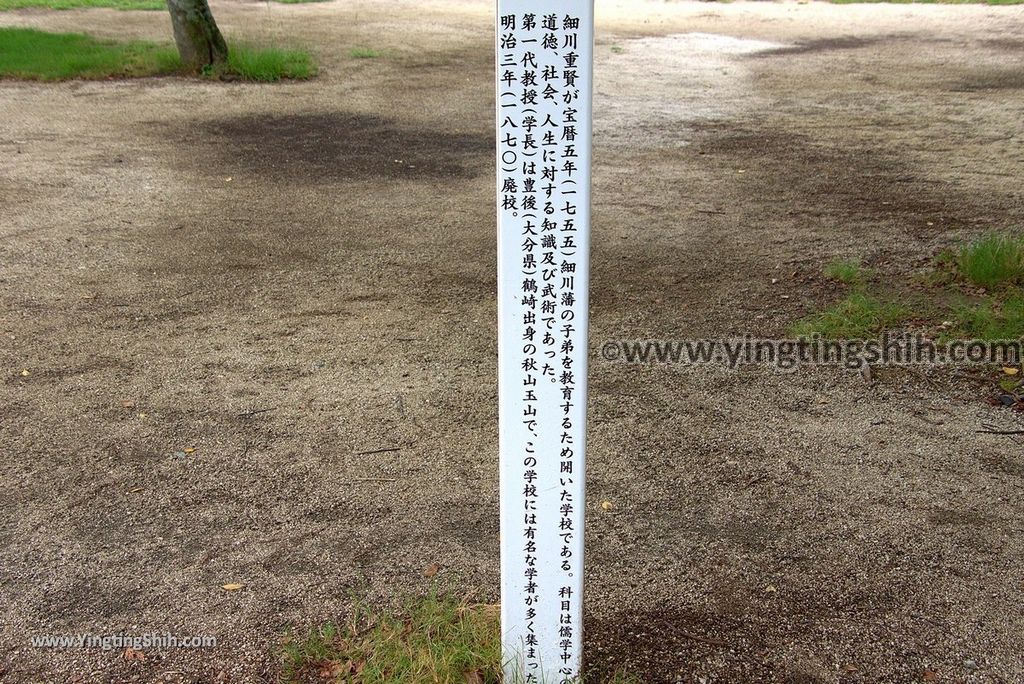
544 74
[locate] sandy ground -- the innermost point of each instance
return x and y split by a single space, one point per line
282 277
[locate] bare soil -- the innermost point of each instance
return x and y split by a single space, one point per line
297 281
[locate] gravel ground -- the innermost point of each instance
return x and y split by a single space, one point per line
258 325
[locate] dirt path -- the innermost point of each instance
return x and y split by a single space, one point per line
282 277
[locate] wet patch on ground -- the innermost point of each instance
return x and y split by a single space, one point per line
1008 44
825 46
659 645
847 182
818 46
323 147
990 79
949 516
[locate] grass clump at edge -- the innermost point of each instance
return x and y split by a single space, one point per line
857 316
268 63
992 320
433 639
39 55
993 260
849 271
75 4
364 53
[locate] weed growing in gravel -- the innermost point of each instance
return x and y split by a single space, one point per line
269 64
855 317
433 639
993 260
849 271
364 53
994 319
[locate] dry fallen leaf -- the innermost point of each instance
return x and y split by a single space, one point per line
331 670
431 570
850 667
128 403
474 677
189 450
607 505
930 676
26 372
770 589
233 586
489 609
132 654
1011 371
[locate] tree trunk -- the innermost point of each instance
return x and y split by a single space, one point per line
199 41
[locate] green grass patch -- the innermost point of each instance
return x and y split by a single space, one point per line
364 53
75 4
947 292
993 260
433 639
857 316
268 64
38 55
849 272
993 319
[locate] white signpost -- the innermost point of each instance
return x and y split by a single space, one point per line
544 85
